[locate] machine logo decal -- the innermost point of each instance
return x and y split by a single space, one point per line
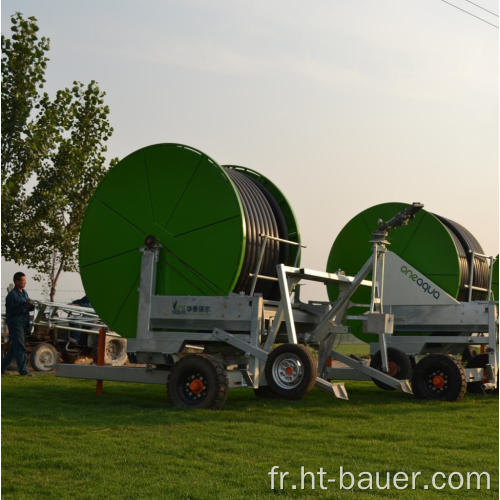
426 287
184 309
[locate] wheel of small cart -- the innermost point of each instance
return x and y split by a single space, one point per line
290 371
44 357
399 366
438 376
198 381
115 351
478 361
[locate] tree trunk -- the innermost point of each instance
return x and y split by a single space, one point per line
53 281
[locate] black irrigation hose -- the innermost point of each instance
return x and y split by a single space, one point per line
466 244
280 220
262 216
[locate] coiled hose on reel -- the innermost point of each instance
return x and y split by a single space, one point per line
466 244
263 216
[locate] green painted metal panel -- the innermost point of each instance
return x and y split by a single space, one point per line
425 243
187 201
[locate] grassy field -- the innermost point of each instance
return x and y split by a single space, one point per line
60 440
361 350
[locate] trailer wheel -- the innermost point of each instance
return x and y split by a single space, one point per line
438 376
399 366
291 371
197 381
115 351
44 357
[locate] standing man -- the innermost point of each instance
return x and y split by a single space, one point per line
17 308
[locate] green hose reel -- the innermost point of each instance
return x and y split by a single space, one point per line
189 203
427 243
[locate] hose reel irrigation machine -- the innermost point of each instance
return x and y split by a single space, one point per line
198 266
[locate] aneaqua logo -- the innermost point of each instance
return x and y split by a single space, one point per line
426 287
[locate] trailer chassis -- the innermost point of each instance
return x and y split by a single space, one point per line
239 332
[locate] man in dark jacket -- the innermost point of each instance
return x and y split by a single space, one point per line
17 308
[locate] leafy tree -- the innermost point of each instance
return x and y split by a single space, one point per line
52 156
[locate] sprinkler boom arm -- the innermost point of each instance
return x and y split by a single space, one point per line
401 218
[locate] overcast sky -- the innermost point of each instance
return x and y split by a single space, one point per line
343 104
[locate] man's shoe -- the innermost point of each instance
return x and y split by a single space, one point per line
27 374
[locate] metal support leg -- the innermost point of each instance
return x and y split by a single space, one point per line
374 290
259 264
101 346
325 348
337 390
233 340
372 372
471 277
342 300
273 332
383 351
490 279
492 343
287 306
146 291
378 266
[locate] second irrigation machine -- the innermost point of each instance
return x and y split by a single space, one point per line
198 266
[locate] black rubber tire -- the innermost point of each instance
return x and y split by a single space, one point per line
44 357
400 366
209 371
307 378
478 361
264 392
455 383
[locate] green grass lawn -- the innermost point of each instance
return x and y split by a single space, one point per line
60 440
361 350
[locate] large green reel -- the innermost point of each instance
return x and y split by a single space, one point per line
425 243
183 198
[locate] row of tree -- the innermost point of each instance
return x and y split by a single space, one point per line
53 156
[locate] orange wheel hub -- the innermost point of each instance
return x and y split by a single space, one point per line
393 368
438 381
196 386
288 370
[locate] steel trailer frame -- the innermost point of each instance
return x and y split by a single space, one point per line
241 330
169 326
